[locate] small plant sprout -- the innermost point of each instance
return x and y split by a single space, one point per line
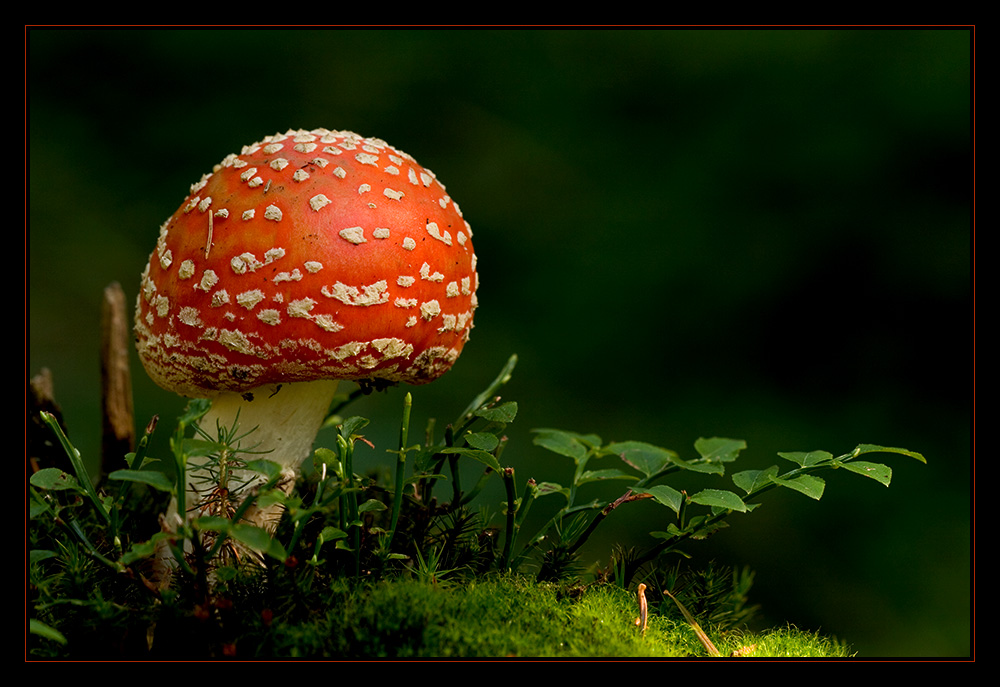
307 258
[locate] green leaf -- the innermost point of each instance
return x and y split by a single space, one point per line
36 507
152 478
751 480
331 534
810 485
709 468
325 456
546 488
213 523
192 447
719 498
599 475
145 549
872 448
146 460
718 449
503 413
806 458
371 505
252 536
268 468
54 478
668 496
698 529
645 458
351 426
194 411
484 441
40 629
328 458
39 555
487 459
276 551
269 497
877 471
672 532
569 444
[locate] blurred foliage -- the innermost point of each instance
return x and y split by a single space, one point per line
750 233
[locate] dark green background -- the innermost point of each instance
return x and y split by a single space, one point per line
758 234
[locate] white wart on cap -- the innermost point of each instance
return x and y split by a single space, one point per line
309 255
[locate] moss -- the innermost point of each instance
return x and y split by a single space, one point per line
786 642
492 618
300 614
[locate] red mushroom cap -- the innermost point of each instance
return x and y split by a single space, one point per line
310 255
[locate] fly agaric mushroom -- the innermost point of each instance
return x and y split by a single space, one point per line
309 257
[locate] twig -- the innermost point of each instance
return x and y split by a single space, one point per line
118 431
702 637
643 618
41 451
605 512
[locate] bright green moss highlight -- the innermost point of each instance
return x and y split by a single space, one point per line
506 617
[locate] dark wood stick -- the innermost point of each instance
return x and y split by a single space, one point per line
118 429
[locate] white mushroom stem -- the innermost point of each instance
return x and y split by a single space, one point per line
284 420
276 422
